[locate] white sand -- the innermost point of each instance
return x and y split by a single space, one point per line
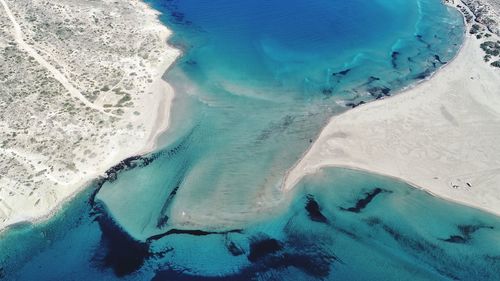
442 136
34 183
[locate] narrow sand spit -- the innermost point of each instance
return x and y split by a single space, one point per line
442 136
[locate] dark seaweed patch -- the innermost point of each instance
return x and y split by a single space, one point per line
379 92
438 58
313 265
121 252
394 58
276 128
492 258
363 202
419 247
314 211
372 79
234 249
456 239
421 39
139 161
191 62
372 221
466 232
163 217
170 275
353 105
261 247
298 251
342 73
270 254
327 91
194 232
415 244
424 74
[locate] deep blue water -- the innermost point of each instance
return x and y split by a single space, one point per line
257 81
337 225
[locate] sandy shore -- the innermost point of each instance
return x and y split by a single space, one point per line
36 183
441 136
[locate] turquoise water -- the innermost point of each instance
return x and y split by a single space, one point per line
256 83
337 225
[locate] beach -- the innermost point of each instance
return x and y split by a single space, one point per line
95 105
440 136
249 140
132 129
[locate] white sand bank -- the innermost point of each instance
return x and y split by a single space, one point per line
442 136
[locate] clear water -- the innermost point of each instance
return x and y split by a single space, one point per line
335 226
257 82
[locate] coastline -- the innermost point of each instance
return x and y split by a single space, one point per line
156 119
161 101
423 115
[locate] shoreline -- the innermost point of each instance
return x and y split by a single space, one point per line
405 89
160 100
330 150
400 92
163 96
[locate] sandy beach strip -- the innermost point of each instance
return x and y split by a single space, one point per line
441 136
150 113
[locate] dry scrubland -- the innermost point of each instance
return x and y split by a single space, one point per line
80 90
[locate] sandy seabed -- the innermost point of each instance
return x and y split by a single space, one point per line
441 136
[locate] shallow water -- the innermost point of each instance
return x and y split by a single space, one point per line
338 224
257 82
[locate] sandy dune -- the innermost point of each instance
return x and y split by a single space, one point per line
442 136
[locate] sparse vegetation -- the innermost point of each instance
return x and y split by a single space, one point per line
496 64
491 47
47 136
475 28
